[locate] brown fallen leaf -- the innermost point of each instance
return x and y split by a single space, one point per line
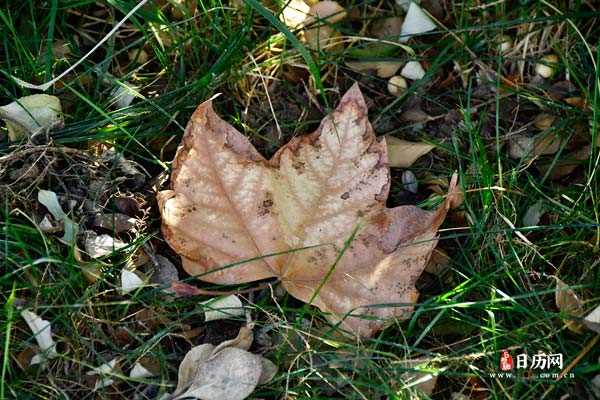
521 146
568 303
403 154
231 213
227 371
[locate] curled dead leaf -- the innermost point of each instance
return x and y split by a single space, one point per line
231 214
227 371
42 331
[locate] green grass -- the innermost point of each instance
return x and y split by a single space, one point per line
497 292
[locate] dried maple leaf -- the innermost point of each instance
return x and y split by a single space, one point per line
229 205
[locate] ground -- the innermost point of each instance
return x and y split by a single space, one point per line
494 291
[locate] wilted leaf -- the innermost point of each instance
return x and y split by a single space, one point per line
319 33
101 245
123 95
146 367
592 320
229 205
596 385
521 146
569 304
387 28
409 180
104 373
130 281
165 272
403 154
438 263
223 308
43 335
30 114
413 71
115 222
294 13
415 23
423 381
49 200
222 372
533 214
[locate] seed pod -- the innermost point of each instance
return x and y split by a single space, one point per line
397 85
547 66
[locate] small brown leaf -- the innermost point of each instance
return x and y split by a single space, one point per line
226 371
229 207
403 154
569 304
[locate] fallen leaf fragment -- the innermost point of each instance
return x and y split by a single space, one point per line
230 207
596 385
181 9
294 13
130 281
383 68
592 320
423 381
319 33
387 28
101 245
223 308
123 95
405 4
146 367
438 263
115 222
533 214
413 71
165 272
415 23
49 200
409 180
222 372
31 114
104 373
42 331
521 146
568 303
403 154
327 11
